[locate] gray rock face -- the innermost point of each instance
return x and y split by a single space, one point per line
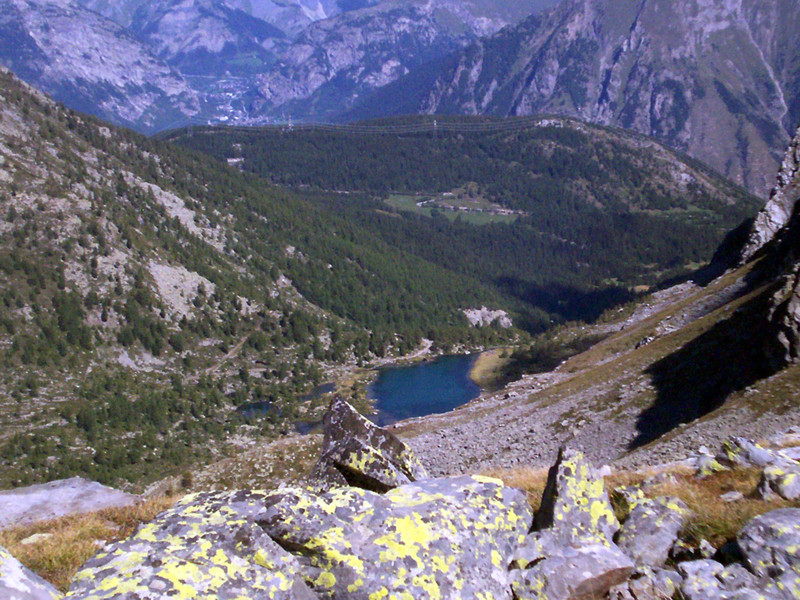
91 64
650 531
778 210
438 538
785 482
771 543
574 573
575 503
357 452
57 499
17 582
746 453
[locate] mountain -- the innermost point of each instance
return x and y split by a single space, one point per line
91 64
720 81
202 38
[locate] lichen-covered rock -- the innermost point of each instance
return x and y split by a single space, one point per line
650 531
447 538
575 503
356 452
770 543
738 451
708 465
648 584
626 498
709 580
206 547
17 582
781 481
582 572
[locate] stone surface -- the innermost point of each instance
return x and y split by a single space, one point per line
650 531
17 582
57 499
357 452
781 481
575 503
771 543
208 546
575 573
437 538
742 452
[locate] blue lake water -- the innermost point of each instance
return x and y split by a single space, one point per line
426 388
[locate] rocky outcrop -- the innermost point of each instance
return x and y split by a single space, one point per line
439 538
572 555
778 210
17 582
357 452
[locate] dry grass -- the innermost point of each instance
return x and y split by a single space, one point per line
716 520
73 540
488 367
529 480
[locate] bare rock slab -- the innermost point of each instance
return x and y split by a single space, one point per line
58 499
18 582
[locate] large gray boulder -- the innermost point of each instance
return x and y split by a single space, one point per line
18 582
651 529
582 572
206 547
575 503
438 538
780 481
357 452
770 544
738 451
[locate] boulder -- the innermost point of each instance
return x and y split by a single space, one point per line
206 547
737 451
781 481
357 452
18 582
648 584
447 538
770 543
709 580
575 503
582 572
650 531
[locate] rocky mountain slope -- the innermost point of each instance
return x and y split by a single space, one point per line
92 63
718 80
245 62
206 39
